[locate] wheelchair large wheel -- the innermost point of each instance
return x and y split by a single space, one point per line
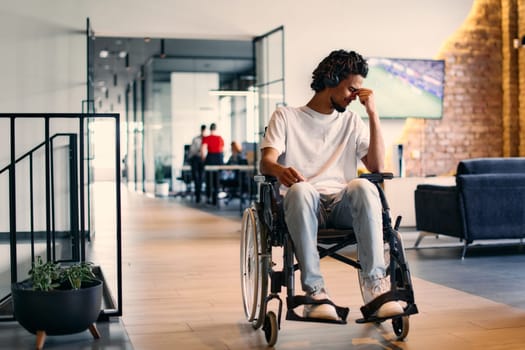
254 267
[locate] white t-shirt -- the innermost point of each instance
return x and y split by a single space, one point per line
324 148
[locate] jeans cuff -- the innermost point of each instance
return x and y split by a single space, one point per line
316 289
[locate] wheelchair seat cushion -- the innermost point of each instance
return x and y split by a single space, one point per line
330 235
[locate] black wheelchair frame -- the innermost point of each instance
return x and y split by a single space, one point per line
264 227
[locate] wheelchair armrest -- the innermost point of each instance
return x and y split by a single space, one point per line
377 177
373 177
265 178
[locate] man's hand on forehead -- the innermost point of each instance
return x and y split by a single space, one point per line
363 94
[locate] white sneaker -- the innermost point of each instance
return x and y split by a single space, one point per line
377 287
324 311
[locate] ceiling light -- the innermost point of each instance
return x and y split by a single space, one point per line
103 53
230 93
122 54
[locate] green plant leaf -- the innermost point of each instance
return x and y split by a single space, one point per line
50 275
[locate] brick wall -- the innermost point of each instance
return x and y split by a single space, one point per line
481 116
510 79
521 75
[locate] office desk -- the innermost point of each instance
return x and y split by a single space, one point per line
246 172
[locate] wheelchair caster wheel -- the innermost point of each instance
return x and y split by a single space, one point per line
270 328
401 327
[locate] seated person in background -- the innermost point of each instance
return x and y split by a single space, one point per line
237 156
230 178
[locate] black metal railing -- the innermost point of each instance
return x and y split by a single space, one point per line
49 185
71 172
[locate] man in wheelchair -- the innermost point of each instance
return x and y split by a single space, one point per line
313 151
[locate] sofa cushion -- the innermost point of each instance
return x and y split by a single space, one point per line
502 165
493 205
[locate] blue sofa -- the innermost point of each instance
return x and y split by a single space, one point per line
488 202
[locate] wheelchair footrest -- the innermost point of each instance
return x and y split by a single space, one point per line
298 300
409 310
370 309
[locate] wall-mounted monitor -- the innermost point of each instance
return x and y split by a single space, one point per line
405 87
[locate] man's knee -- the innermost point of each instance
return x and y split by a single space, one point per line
362 192
300 195
361 187
301 191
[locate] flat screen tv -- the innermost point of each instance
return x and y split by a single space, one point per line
405 87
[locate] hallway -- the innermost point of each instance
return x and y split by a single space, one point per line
182 291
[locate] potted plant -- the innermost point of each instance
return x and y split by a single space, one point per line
58 300
162 186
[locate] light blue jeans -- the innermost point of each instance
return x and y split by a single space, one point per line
358 206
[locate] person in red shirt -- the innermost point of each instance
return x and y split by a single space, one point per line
212 149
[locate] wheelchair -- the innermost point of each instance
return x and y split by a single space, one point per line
263 227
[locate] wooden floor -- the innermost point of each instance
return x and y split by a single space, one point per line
182 291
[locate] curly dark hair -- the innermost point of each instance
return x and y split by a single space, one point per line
337 66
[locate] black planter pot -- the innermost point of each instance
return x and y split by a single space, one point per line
57 312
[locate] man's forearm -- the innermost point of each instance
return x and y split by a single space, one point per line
269 168
376 149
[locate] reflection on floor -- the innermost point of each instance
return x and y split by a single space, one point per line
181 291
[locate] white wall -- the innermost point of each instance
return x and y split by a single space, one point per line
43 63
